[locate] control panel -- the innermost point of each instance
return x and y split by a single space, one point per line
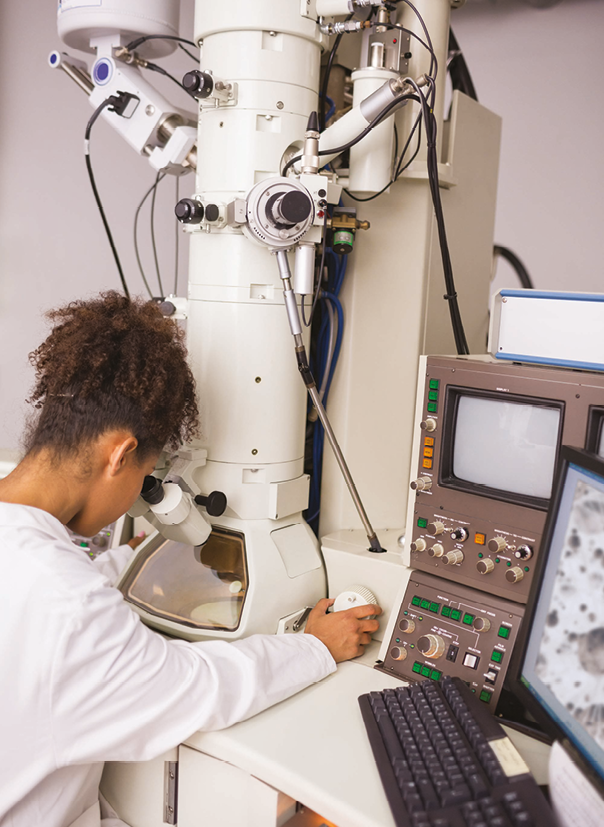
487 535
108 537
448 629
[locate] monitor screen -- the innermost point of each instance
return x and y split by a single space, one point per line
561 662
509 446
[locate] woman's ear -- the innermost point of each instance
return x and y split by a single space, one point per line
123 451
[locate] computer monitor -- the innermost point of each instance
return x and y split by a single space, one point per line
557 669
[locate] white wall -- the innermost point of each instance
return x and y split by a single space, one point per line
52 244
541 69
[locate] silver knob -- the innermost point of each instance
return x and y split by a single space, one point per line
481 624
497 544
436 527
407 626
418 545
432 646
398 653
437 550
485 566
453 557
422 484
514 575
428 424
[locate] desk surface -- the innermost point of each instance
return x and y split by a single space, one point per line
313 747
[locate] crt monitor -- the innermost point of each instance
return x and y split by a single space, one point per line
557 670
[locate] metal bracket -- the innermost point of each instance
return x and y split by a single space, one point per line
170 792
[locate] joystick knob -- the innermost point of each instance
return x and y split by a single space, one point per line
428 424
514 575
481 624
421 484
407 626
485 566
437 550
418 545
436 527
431 646
453 558
497 544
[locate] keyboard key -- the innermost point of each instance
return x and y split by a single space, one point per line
522 820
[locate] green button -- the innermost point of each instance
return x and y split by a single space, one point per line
508 563
468 618
416 601
497 657
480 554
434 607
424 604
422 522
434 384
527 568
398 640
435 674
455 614
504 632
417 667
446 611
425 671
84 545
485 696
433 396
405 612
432 407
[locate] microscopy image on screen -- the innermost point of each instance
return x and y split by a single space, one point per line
571 654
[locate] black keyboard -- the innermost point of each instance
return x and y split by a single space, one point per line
438 751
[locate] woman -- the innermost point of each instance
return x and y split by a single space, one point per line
83 680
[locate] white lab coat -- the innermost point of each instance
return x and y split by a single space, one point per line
83 681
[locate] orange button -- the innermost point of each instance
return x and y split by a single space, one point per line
427 463
479 539
429 440
428 452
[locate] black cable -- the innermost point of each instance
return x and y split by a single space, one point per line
136 250
433 61
187 52
134 44
320 279
115 103
158 178
512 258
155 68
458 69
336 150
323 100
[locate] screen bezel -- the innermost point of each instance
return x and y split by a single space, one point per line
595 421
513 683
446 477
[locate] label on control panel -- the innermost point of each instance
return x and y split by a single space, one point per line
508 756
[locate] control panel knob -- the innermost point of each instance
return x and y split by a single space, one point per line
523 552
422 484
481 624
437 550
428 424
198 84
431 646
398 653
460 534
418 545
514 575
497 544
453 557
485 566
189 211
407 626
435 528
99 541
212 212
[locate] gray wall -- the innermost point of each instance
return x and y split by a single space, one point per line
541 69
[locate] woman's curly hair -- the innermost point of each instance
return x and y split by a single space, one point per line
111 363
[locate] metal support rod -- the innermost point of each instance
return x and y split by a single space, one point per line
311 387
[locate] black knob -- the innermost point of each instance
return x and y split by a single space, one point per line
166 307
295 206
152 491
215 503
198 84
189 211
212 212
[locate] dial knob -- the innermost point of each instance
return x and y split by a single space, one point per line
460 534
514 575
436 527
485 566
523 552
436 551
421 484
407 625
189 211
198 84
398 653
432 646
481 624
428 424
99 541
286 209
418 545
497 544
453 557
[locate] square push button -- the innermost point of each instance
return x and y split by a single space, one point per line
417 667
468 618
497 657
455 614
470 660
427 463
425 671
434 607
446 611
504 632
433 396
415 601
422 522
429 441
435 674
424 604
485 696
432 407
434 384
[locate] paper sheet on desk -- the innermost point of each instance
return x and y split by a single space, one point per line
575 801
